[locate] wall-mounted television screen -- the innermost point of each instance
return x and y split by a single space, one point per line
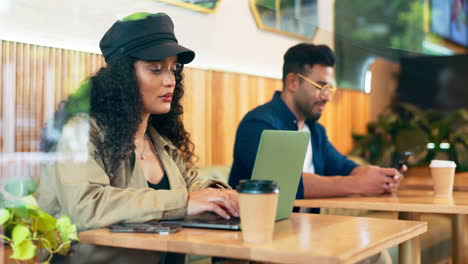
449 20
434 82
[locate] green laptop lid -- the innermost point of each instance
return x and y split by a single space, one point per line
280 158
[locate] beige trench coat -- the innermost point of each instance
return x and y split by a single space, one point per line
78 186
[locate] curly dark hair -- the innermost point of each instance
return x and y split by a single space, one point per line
115 103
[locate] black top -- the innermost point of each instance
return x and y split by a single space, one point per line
162 185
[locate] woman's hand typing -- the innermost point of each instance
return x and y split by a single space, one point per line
220 201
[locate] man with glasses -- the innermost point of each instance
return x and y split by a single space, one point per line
307 88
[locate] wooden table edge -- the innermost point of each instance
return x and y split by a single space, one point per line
380 206
233 251
425 187
261 255
399 238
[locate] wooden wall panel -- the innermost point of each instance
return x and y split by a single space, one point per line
214 101
347 112
221 106
21 78
383 86
34 68
11 63
197 103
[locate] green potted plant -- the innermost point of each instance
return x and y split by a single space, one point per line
32 234
429 134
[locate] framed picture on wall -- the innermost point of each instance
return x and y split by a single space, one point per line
205 6
293 18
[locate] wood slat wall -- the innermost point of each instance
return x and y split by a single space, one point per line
214 102
42 77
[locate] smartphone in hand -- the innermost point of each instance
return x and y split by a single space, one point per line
401 160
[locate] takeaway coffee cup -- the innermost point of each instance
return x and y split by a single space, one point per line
258 200
443 174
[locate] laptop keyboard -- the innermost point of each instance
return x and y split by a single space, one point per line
211 218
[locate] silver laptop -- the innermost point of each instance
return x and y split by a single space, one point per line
280 157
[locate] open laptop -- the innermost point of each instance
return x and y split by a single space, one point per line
280 157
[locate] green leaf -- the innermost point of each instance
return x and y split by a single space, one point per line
136 16
21 187
4 215
441 155
66 229
413 139
80 100
20 233
20 211
30 202
45 222
52 238
358 136
25 250
64 250
462 157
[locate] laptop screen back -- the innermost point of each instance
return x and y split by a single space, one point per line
280 157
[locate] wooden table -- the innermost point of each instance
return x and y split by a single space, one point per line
302 238
409 203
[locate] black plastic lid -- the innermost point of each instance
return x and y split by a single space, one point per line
257 186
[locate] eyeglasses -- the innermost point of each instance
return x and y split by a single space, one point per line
324 89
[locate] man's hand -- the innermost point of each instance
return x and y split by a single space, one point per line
374 180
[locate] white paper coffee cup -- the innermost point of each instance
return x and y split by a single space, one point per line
442 164
443 174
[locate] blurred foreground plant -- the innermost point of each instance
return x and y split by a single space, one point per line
27 229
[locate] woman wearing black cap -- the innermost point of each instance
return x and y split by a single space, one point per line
125 155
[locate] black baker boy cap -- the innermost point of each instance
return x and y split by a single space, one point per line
144 36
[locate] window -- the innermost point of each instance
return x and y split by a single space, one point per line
294 18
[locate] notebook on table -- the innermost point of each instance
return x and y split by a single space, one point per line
280 157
